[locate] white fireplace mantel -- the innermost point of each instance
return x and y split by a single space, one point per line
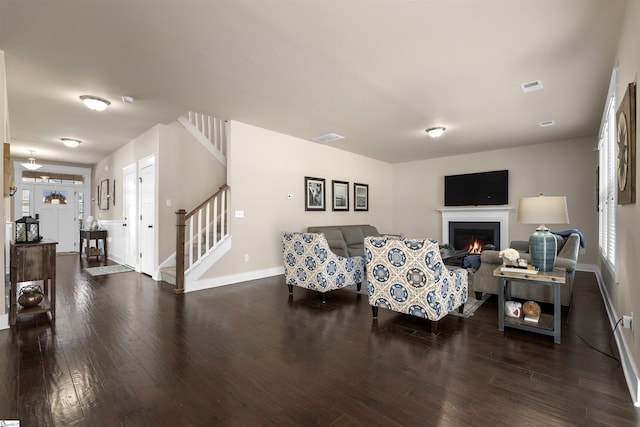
477 214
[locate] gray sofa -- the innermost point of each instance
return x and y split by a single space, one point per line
567 258
346 240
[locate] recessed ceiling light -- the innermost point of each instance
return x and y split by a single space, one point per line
547 123
435 132
95 102
531 86
70 142
329 137
127 99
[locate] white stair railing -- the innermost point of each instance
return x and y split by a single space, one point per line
199 232
213 129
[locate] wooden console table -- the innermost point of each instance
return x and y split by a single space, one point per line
96 235
33 262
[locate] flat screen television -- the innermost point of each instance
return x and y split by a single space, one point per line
477 189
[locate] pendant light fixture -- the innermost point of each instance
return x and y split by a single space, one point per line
31 163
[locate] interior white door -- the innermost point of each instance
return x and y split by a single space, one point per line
56 208
130 213
147 217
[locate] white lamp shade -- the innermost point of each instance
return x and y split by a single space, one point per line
543 210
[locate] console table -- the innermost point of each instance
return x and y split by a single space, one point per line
33 262
547 324
96 235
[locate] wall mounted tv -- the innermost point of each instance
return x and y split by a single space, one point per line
477 189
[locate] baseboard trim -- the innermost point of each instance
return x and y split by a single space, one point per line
628 365
214 282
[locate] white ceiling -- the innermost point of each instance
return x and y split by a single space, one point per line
378 72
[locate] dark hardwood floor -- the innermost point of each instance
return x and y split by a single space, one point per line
124 350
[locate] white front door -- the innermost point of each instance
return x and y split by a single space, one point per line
130 212
56 208
147 217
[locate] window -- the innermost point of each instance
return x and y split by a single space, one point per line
607 192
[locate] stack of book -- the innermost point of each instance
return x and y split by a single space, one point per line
515 269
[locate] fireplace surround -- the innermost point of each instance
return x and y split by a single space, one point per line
493 214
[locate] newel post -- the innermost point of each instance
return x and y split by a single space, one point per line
180 224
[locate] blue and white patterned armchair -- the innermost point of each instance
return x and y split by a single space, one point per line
309 263
409 276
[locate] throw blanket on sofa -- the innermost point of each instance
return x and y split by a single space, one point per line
567 233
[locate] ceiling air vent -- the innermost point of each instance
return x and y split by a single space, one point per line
531 86
547 124
329 137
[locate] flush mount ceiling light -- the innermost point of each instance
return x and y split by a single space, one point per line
95 102
329 137
435 132
70 142
31 163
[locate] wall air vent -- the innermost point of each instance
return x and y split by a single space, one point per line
329 137
531 86
547 123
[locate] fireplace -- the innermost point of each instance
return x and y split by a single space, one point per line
474 236
496 215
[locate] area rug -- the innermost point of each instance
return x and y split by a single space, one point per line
107 269
471 305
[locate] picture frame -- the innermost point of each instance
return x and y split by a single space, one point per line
314 194
360 197
626 147
113 193
340 195
103 197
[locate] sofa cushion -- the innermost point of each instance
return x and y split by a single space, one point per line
353 235
369 230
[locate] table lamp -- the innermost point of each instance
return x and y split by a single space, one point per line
543 210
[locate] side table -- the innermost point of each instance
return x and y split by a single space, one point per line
96 235
547 324
33 262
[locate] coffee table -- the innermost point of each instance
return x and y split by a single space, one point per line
449 255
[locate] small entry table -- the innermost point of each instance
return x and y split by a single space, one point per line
547 324
32 262
96 235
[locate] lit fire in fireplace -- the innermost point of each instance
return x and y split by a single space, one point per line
475 247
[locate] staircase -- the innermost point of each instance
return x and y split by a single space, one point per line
202 235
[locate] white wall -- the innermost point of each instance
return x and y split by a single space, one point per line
623 291
4 118
563 168
264 167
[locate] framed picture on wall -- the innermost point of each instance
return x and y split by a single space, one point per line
626 147
314 194
360 197
103 201
340 195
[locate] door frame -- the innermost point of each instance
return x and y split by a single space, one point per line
132 223
53 168
149 161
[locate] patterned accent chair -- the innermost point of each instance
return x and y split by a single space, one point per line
309 263
409 276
